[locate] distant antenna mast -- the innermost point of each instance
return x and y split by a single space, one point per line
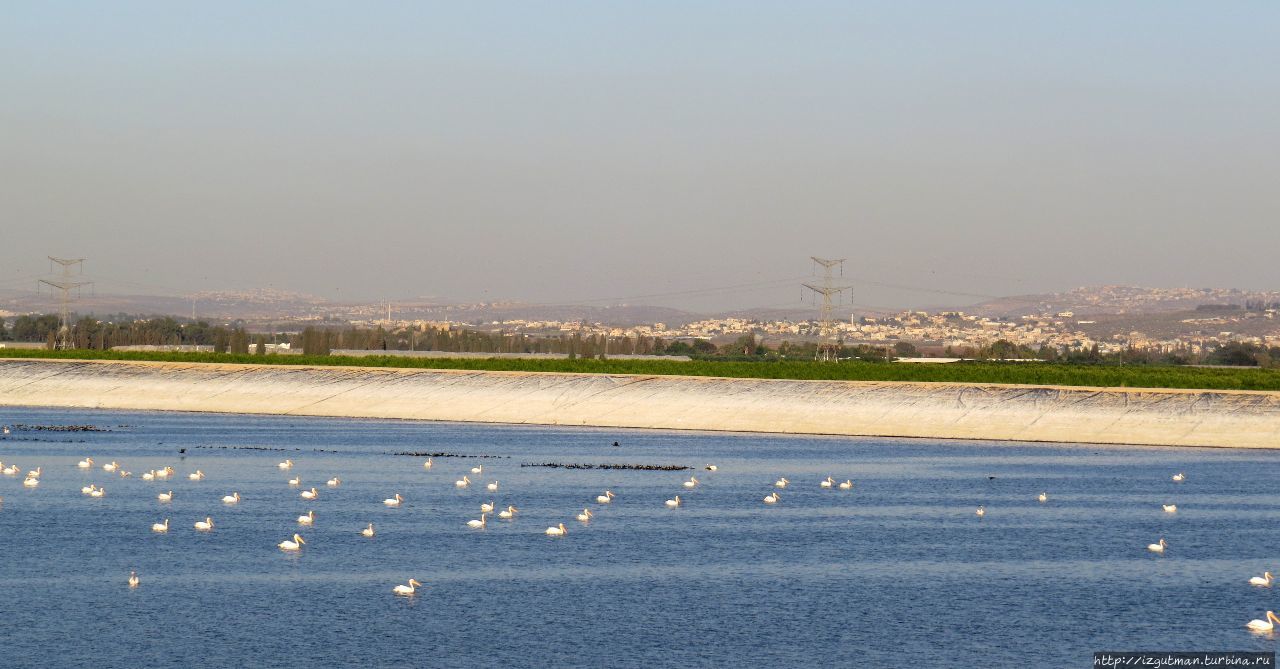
66 283
828 350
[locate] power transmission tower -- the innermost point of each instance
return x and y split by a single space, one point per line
66 283
828 350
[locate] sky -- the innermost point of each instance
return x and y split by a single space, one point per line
689 154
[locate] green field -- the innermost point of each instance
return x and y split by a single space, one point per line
963 372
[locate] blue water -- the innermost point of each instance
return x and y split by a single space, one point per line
897 572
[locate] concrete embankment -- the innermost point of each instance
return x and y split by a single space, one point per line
929 410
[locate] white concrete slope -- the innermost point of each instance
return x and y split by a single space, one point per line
930 410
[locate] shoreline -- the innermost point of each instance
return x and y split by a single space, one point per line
947 410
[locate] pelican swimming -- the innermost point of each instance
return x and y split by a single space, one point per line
781 483
711 468
293 545
673 503
606 498
160 527
585 515
165 496
85 463
164 473
286 464
1169 508
11 470
1044 497
557 531
1264 580
693 481
1157 547
133 579
309 494
427 464
407 590
1179 477
124 474
486 508
477 523
828 482
462 482
31 482
508 512
847 485
982 511
233 498
204 525
368 531
88 489
295 480
308 519
197 475
111 466
394 501
477 469
97 492
1265 625
34 473
492 487
772 498
149 476
334 482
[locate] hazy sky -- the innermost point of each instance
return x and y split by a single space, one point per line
563 151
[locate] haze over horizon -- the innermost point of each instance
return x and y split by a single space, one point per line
582 152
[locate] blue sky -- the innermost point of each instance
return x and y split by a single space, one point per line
549 151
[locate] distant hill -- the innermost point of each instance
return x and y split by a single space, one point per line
1100 300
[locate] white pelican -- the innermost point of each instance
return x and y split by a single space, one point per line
558 531
97 492
673 503
407 590
585 515
982 511
462 482
368 531
165 496
847 485
606 498
149 476
295 480
427 464
197 475
111 466
828 482
88 489
334 482
771 498
1157 547
1169 508
124 474
11 470
1264 580
693 481
1044 497
477 523
160 527
133 579
477 469
781 482
711 468
286 464
31 483
1265 625
85 463
164 473
394 501
34 473
293 545
204 525
492 487
1179 477
233 498
308 519
508 512
486 508
309 494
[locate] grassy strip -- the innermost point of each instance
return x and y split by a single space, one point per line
965 372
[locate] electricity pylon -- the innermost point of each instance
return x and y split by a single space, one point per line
66 283
828 350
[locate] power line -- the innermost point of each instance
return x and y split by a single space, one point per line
827 350
66 283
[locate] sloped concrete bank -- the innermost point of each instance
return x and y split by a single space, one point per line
930 410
